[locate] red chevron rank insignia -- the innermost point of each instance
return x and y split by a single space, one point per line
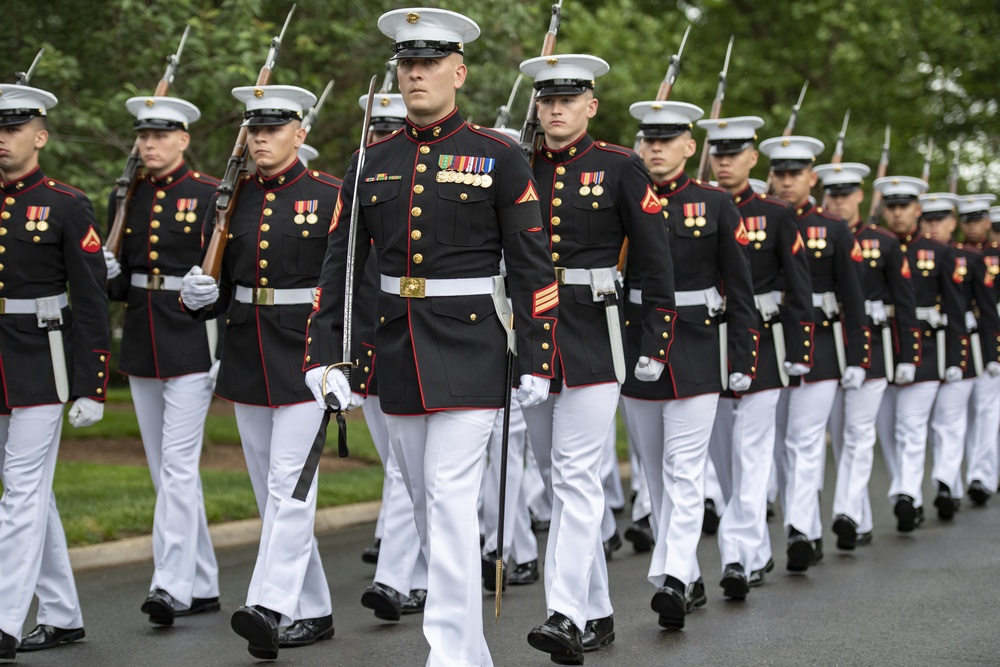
529 194
856 254
905 270
336 215
797 245
316 297
651 203
91 241
545 299
741 234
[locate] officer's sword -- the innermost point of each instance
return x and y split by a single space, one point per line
346 363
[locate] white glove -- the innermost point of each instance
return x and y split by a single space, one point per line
993 369
357 400
85 412
854 377
905 373
213 373
198 290
336 382
649 370
739 382
952 374
533 390
110 261
796 369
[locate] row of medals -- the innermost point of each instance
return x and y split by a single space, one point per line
816 243
41 225
300 219
475 180
597 190
927 264
696 222
190 216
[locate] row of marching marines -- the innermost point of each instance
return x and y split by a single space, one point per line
491 303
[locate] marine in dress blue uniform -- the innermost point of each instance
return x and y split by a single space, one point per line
167 356
742 444
890 317
49 353
267 287
441 203
593 195
840 347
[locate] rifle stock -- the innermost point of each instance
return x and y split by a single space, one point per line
127 182
532 136
228 192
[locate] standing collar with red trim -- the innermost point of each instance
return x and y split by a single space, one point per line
673 186
804 209
435 131
568 153
744 195
282 179
25 182
178 174
857 226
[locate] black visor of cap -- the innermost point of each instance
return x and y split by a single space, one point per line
840 189
789 164
18 116
661 131
159 124
935 215
562 87
386 124
973 216
729 146
898 200
425 48
270 116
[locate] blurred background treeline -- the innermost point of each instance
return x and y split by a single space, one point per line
929 68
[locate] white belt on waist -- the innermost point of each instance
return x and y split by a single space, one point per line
578 276
768 304
269 296
932 316
418 288
709 298
877 311
27 306
827 301
156 282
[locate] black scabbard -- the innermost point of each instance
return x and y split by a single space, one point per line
316 451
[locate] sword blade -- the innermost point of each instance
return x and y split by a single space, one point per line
724 355
58 354
890 367
778 331
615 333
838 342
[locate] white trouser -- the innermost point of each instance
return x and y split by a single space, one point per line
672 444
713 486
33 555
981 437
852 435
776 481
401 564
441 457
288 577
537 488
517 535
902 429
743 442
614 494
171 415
568 433
809 409
641 506
949 421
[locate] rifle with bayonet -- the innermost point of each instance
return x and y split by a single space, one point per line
925 175
875 211
503 113
673 69
228 192
838 150
790 126
531 132
127 182
953 171
716 112
22 78
307 122
390 76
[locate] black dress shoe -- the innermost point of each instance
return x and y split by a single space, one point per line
199 606
919 521
864 539
800 553
847 532
770 511
524 574
8 646
756 578
710 522
306 632
370 554
48 636
414 604
560 638
612 544
538 525
640 534
671 606
944 502
696 595
906 514
978 493
734 582
159 605
817 545
259 626
387 602
598 633
490 573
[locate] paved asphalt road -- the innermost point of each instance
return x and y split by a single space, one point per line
930 599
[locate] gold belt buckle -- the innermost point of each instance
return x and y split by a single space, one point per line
263 296
3 306
154 282
560 275
412 288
